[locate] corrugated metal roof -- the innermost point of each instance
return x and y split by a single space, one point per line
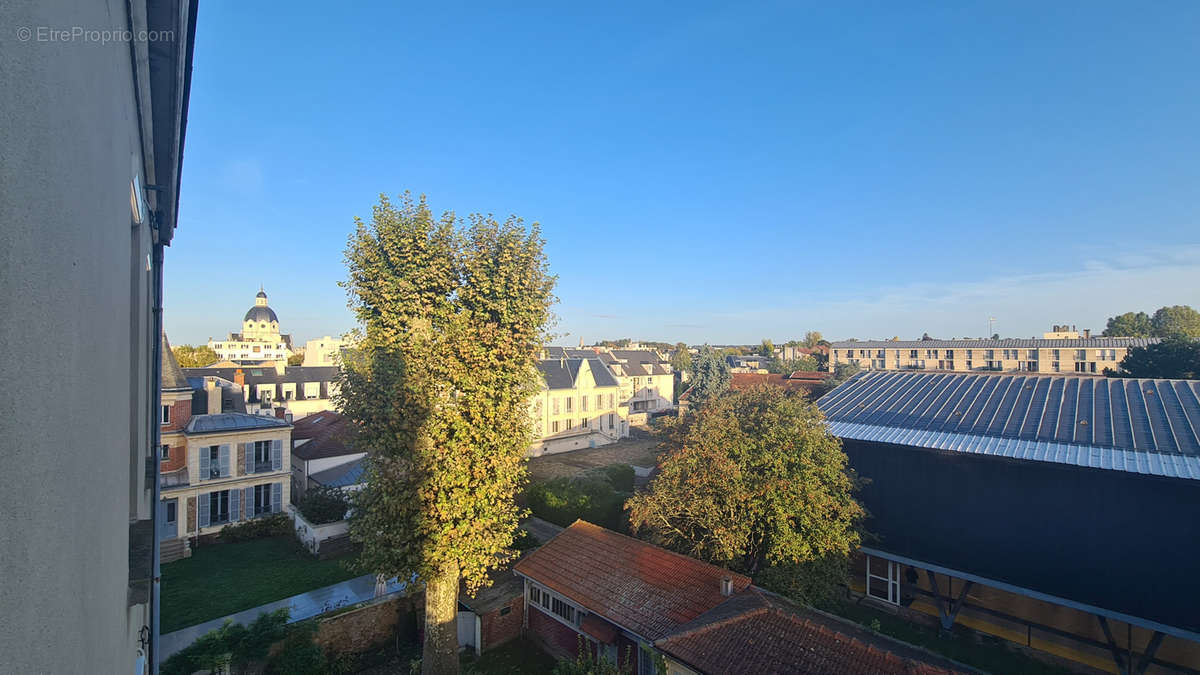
1036 343
342 475
1142 426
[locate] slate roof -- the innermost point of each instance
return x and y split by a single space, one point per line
342 475
173 378
756 632
224 422
327 434
563 373
641 362
647 590
1124 424
267 374
1009 343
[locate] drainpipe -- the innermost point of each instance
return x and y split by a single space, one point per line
156 433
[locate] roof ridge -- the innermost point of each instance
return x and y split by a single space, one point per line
747 613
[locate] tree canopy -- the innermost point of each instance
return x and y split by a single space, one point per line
758 481
1167 322
194 357
454 316
1173 358
1129 324
681 358
710 376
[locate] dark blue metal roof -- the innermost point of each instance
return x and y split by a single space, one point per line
1144 426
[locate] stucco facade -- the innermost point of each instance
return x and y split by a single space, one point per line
85 127
1089 356
260 339
580 406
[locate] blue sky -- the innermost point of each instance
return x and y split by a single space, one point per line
722 173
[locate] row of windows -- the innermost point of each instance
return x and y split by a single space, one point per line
261 457
569 403
1022 366
988 354
549 600
226 506
584 424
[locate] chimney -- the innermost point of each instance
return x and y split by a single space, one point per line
239 378
213 390
1087 333
727 585
281 413
280 366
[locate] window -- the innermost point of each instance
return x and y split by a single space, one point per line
610 420
610 400
570 424
172 511
599 401
214 461
262 456
583 423
649 381
535 595
554 405
554 427
545 598
912 354
1081 366
883 579
563 609
570 406
1056 366
164 452
165 415
262 499
583 403
218 507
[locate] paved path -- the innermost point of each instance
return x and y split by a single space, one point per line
303 606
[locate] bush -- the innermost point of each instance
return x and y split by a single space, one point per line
323 505
592 498
299 655
232 644
620 476
274 525
524 541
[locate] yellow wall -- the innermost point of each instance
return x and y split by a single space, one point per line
543 411
1009 360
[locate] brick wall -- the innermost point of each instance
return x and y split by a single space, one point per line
181 413
498 628
360 629
559 640
176 459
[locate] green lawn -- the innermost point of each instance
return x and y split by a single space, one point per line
991 656
519 657
221 579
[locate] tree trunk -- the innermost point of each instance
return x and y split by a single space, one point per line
440 656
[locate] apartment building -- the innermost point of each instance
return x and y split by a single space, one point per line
580 406
299 390
260 339
1081 355
647 381
324 351
92 135
217 464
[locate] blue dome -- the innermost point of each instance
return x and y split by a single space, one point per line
260 313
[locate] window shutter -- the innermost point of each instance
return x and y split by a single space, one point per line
234 513
277 454
224 460
202 508
204 463
276 496
249 502
248 450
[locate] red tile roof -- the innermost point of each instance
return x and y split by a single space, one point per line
647 590
757 633
747 380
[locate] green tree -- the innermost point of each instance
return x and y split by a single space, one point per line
194 357
767 348
1129 324
759 481
454 316
681 359
844 371
813 338
1174 358
296 360
710 376
1176 321
790 366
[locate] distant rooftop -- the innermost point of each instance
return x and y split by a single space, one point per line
224 422
1123 424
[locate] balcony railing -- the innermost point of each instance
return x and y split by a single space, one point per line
176 478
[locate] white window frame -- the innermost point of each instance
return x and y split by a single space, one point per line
164 451
164 415
546 603
892 581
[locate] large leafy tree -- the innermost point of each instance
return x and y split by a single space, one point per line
759 482
194 357
813 338
1173 358
681 358
453 316
1176 321
710 376
1129 324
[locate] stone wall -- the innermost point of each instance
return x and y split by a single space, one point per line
360 629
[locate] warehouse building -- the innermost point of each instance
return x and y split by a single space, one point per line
1057 512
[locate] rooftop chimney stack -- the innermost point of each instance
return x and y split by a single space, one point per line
213 390
727 586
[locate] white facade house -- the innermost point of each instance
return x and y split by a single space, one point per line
324 351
